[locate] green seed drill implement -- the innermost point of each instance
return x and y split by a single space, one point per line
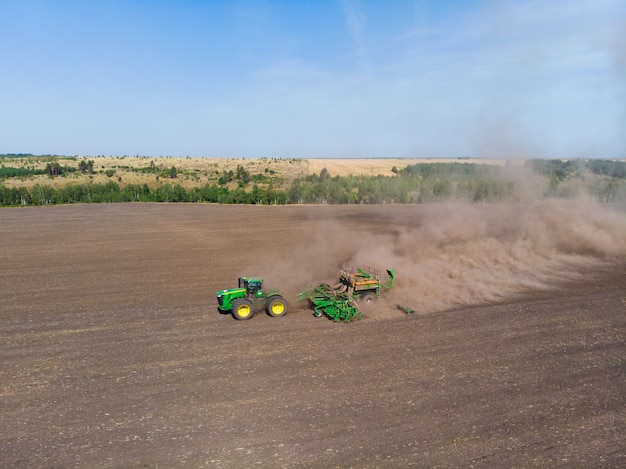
340 302
334 304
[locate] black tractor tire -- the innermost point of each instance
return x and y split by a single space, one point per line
242 309
276 306
367 298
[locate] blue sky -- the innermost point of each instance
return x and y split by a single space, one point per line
307 79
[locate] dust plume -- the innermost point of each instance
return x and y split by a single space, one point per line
455 254
471 255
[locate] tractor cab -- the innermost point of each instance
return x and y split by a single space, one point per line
252 285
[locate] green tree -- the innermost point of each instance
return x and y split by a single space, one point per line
86 166
324 175
54 169
243 176
41 194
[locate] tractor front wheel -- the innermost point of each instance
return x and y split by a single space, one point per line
276 306
242 309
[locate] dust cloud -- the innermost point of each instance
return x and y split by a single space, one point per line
455 254
468 256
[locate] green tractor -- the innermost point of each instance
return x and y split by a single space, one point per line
244 301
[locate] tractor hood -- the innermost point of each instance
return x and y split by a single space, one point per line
230 291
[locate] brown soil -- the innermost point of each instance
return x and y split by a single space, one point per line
114 355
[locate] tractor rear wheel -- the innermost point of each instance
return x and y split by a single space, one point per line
276 306
242 309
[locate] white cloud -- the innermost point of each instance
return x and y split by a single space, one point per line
356 20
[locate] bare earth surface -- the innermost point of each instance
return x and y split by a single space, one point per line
113 354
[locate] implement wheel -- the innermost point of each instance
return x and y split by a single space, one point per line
276 306
367 298
242 309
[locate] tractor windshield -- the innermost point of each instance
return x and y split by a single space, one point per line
253 285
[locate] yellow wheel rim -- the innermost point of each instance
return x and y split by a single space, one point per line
278 308
244 311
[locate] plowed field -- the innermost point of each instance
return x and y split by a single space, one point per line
113 353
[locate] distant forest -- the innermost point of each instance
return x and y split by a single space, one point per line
417 183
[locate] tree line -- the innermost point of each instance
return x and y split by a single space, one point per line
109 192
418 183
